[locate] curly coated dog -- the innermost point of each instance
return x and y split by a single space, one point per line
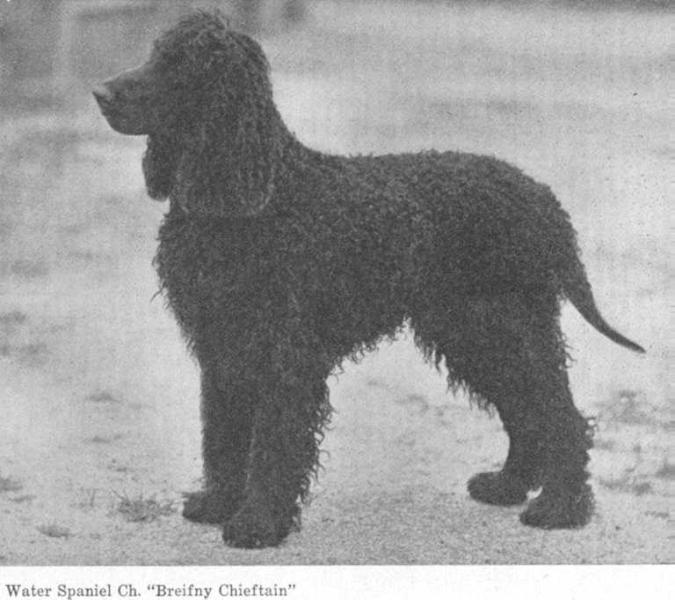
279 262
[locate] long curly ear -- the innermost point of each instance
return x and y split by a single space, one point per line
231 152
160 163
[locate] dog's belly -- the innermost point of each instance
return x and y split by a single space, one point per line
354 308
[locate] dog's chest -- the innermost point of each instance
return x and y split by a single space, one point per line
205 265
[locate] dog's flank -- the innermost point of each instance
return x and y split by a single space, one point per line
279 262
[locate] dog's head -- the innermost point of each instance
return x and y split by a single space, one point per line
190 64
205 101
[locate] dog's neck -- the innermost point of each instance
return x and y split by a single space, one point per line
218 170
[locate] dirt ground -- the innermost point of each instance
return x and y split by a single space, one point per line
100 428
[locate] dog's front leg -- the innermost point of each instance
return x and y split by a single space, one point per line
227 416
292 406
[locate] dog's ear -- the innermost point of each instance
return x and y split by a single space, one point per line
160 163
230 154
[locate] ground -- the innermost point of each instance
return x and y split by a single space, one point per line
100 430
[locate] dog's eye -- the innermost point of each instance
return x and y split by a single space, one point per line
172 61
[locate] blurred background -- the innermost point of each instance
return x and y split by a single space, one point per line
100 426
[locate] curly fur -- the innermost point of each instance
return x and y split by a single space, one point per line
279 262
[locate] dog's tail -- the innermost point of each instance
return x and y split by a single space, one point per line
578 291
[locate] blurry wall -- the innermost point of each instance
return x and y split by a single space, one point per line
100 38
27 37
57 45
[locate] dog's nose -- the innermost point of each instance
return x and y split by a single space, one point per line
103 95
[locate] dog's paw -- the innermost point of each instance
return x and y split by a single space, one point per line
551 510
209 506
497 488
253 527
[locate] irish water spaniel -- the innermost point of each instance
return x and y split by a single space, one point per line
279 262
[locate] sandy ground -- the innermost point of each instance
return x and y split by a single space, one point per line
100 431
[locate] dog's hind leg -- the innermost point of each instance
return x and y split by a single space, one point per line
508 352
563 435
566 498
521 471
227 417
